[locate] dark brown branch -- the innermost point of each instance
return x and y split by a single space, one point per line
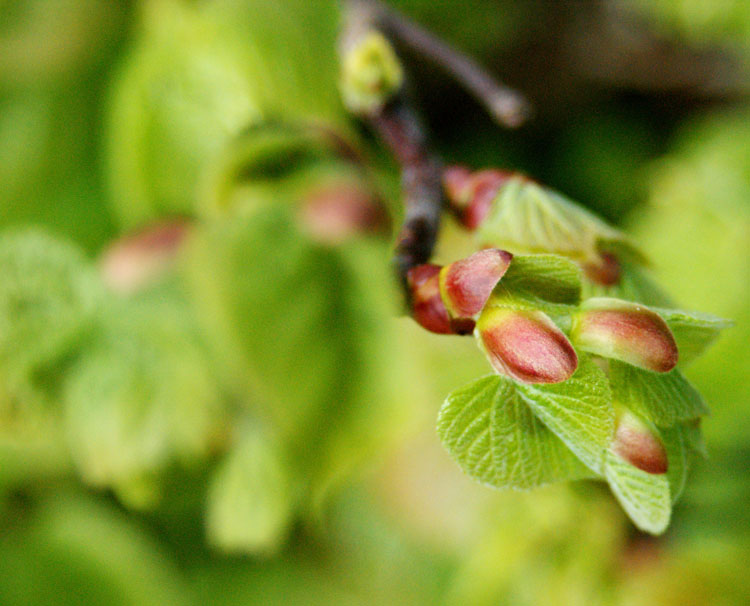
421 173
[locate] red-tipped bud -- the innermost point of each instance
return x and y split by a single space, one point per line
337 213
606 271
135 261
526 345
427 306
638 444
625 331
471 194
466 285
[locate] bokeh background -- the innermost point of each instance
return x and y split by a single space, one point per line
255 425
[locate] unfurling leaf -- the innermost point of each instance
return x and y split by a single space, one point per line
547 282
528 218
644 496
693 331
579 411
664 399
491 432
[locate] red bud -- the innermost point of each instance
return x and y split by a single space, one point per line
625 331
639 445
334 214
526 345
427 305
467 284
136 260
471 194
606 271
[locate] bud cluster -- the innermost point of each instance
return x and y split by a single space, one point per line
448 300
574 232
524 343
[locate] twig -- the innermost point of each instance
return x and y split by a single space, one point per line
507 106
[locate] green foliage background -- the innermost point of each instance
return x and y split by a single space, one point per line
258 427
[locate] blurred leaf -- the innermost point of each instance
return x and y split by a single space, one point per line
291 326
644 496
579 411
693 331
495 437
73 550
250 501
664 398
48 295
141 397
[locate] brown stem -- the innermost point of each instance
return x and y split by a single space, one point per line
507 106
421 171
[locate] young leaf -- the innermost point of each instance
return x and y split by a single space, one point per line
579 411
493 435
693 331
679 455
250 497
527 217
643 496
663 398
547 282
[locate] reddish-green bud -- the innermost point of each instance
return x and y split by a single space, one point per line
339 212
471 194
427 306
638 444
526 345
466 285
137 260
606 271
625 331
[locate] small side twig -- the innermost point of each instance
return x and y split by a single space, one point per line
507 106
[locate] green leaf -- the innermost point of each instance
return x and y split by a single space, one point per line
250 501
141 397
492 434
643 496
635 285
680 454
579 411
527 217
547 282
693 331
48 292
295 328
663 398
